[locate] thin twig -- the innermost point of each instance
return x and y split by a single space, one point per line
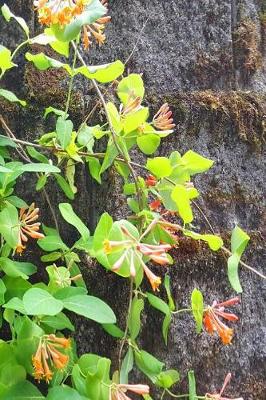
137 42
244 264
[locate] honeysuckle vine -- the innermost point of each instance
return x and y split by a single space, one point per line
160 195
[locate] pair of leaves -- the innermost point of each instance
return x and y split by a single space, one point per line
101 73
153 369
239 241
40 302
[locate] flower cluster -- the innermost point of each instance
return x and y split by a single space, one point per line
118 392
28 226
96 29
48 356
218 396
213 323
163 119
62 12
132 247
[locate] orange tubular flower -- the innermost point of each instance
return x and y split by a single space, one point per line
96 29
133 105
133 248
213 323
28 226
151 181
163 119
63 12
60 12
118 392
218 396
155 205
49 355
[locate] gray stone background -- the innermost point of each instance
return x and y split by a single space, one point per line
207 59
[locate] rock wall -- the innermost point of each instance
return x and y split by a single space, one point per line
207 59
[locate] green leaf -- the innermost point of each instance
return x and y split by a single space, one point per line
181 198
60 47
94 11
39 302
113 330
33 153
16 201
171 302
192 386
168 378
63 393
239 241
16 287
214 242
127 366
165 328
90 307
5 170
55 111
43 62
195 163
10 375
148 364
24 391
38 167
134 319
10 96
86 137
102 73
148 144
197 308
9 225
52 243
130 87
114 117
5 59
7 14
70 216
41 182
94 168
58 322
134 120
6 141
17 269
158 303
15 304
2 292
159 166
232 272
64 130
101 233
65 186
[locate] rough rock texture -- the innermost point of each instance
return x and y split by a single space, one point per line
207 59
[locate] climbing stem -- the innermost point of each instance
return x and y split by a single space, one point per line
70 87
182 396
182 310
120 354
